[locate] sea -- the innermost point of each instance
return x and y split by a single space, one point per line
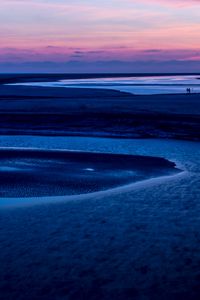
139 85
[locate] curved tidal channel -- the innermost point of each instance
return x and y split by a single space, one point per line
37 173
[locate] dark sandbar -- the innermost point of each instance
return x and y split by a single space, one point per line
92 112
31 173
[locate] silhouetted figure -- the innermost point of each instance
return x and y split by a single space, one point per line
188 90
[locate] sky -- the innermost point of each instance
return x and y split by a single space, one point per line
100 36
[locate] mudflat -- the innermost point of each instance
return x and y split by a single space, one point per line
33 173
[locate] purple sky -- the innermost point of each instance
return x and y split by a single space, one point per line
100 36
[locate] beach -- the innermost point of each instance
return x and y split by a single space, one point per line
99 194
137 242
97 112
100 150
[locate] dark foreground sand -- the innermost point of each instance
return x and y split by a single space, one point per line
138 243
134 244
91 112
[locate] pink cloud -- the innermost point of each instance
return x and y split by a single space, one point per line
179 3
97 29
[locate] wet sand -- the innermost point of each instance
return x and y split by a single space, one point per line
37 173
136 243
